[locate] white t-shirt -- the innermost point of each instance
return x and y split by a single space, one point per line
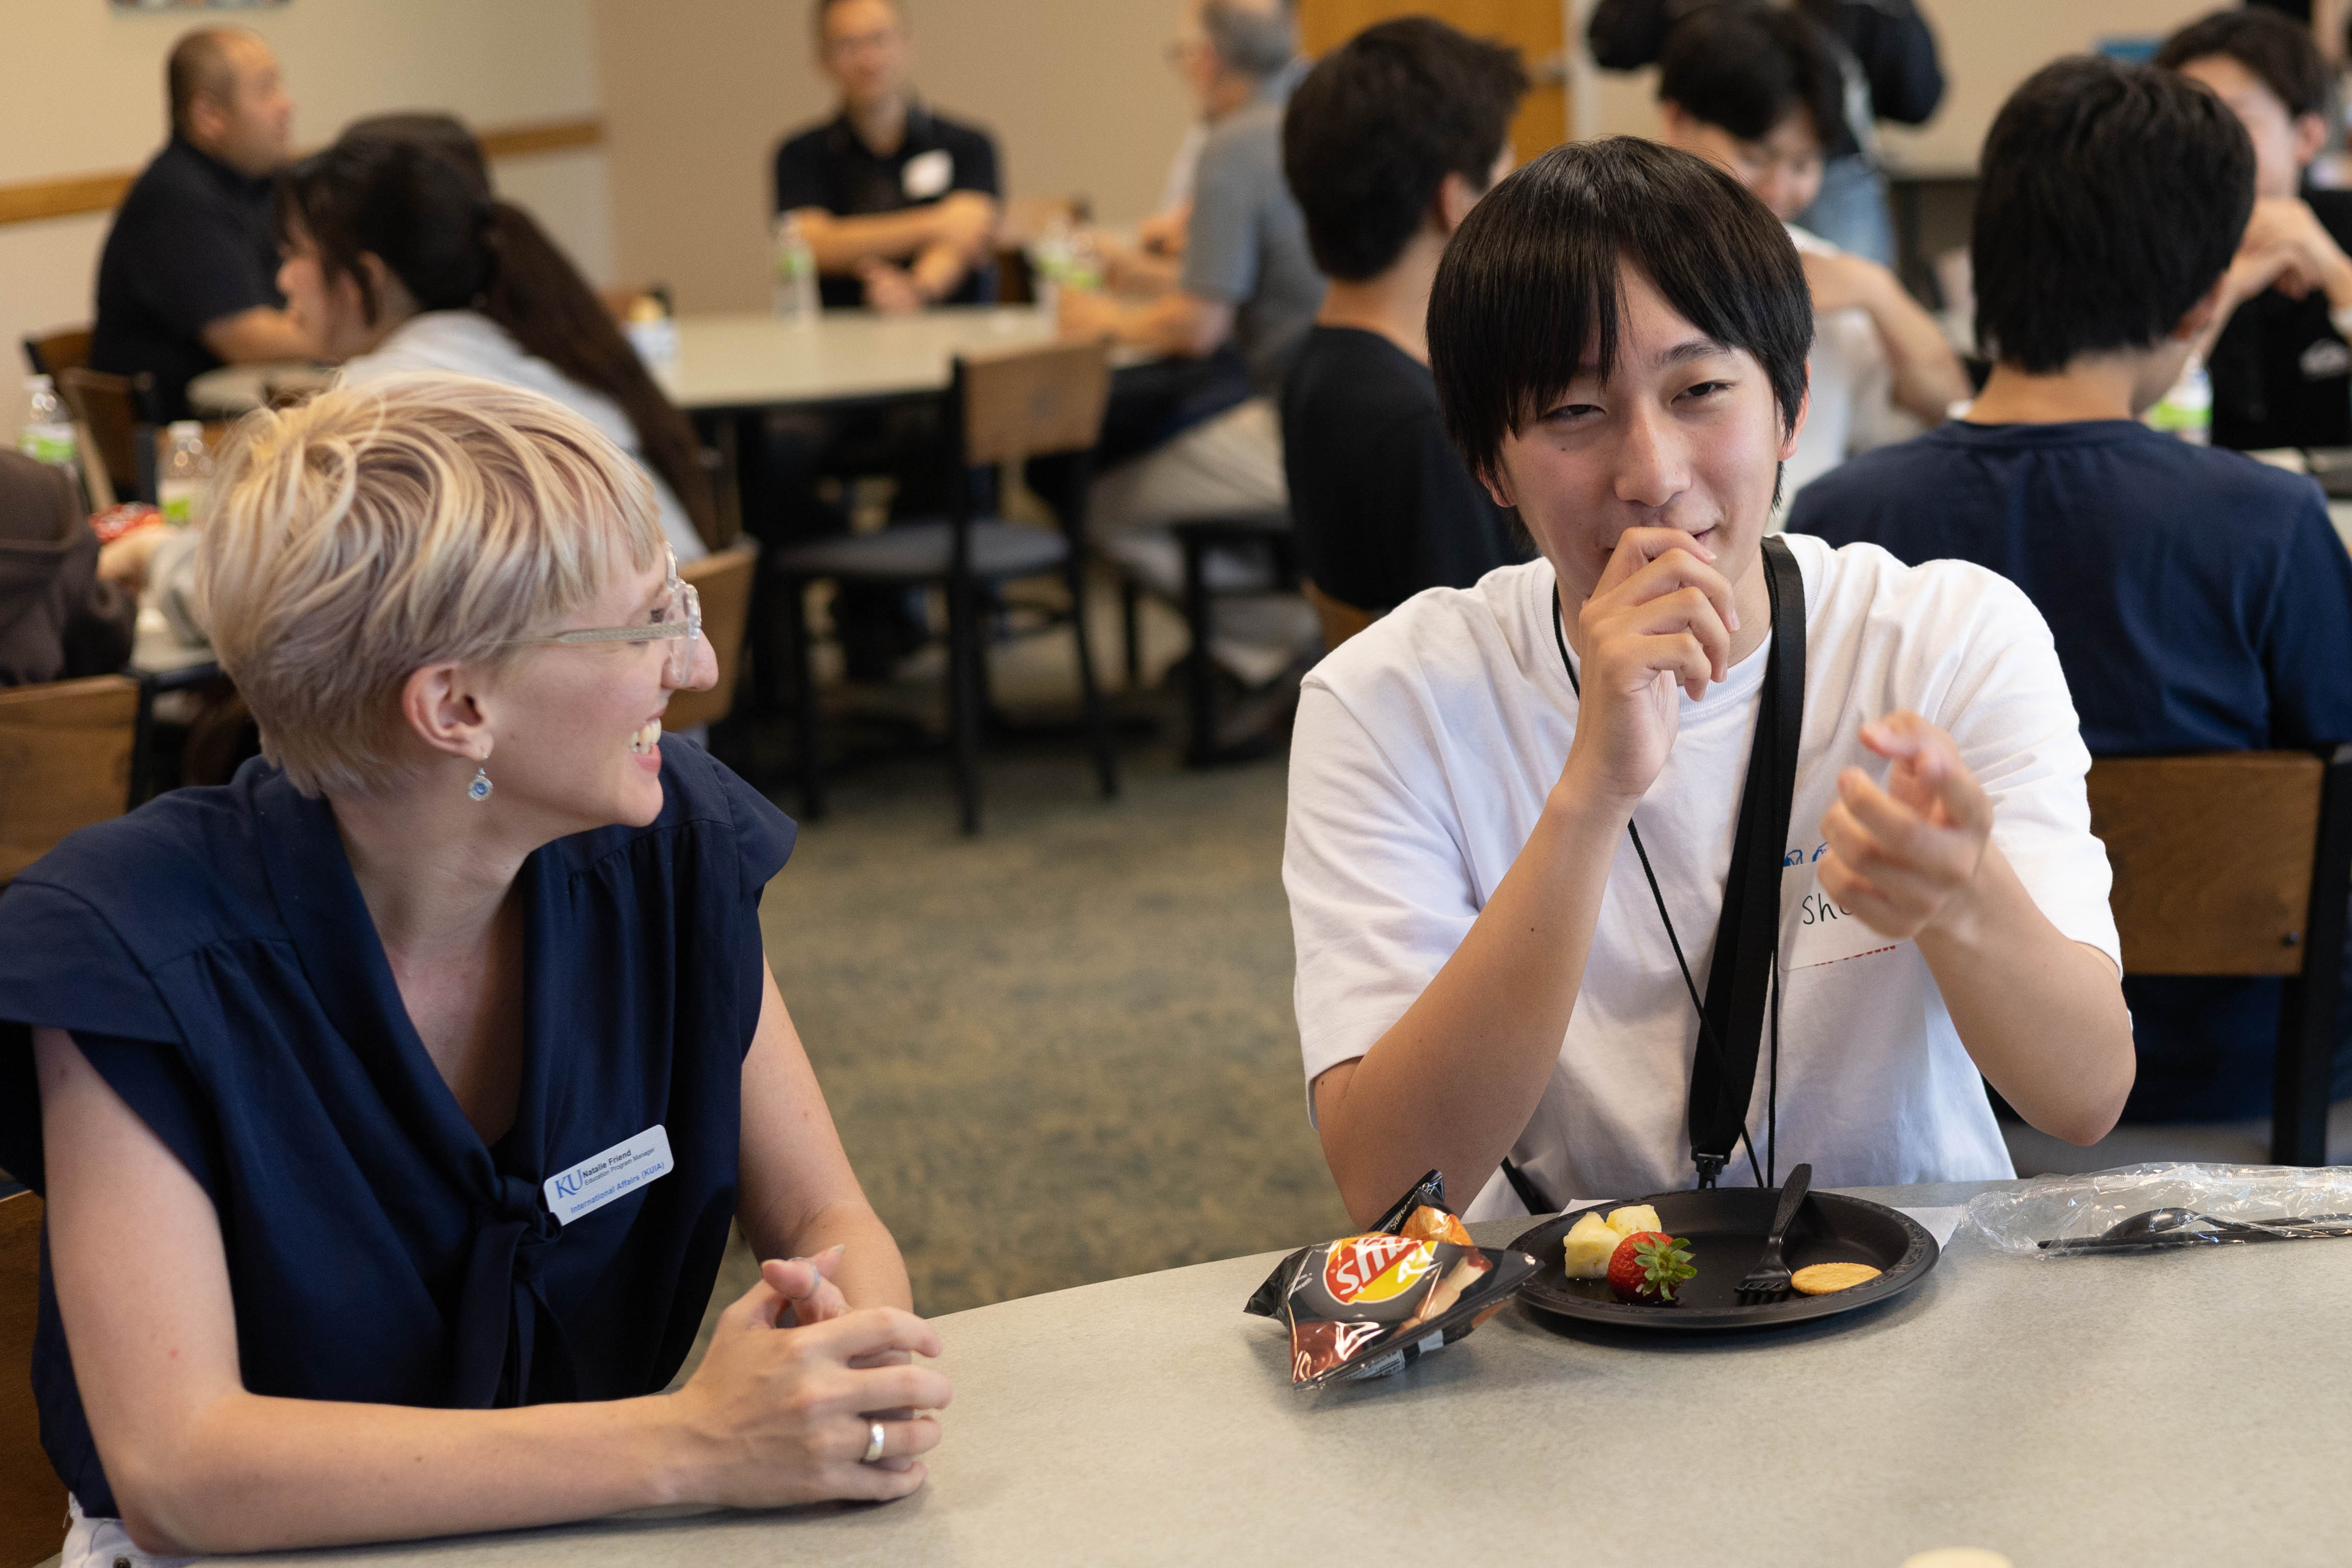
466 342
1852 389
1425 749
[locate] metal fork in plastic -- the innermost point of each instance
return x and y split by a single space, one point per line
1768 1281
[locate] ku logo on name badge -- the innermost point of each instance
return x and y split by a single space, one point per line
622 1169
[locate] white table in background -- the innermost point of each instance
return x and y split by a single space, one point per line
744 360
157 651
235 389
2179 1408
752 360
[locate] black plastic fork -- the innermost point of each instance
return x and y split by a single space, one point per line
1768 1281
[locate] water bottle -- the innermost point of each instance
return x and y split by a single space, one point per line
797 296
186 471
1086 266
1049 261
48 432
2187 411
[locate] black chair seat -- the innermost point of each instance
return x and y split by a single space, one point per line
920 552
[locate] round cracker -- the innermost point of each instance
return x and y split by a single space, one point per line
1827 1279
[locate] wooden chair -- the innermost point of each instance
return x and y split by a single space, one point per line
32 1498
2240 863
1224 557
57 350
1339 621
117 412
71 753
723 578
1002 408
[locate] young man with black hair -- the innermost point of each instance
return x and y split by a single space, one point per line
1387 143
1754 90
1618 335
2199 601
1887 57
2282 369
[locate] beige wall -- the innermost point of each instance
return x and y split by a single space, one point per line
1987 48
96 103
697 94
1991 45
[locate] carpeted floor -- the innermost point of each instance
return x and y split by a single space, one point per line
1062 1051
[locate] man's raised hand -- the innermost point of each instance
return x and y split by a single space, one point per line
1661 616
1907 856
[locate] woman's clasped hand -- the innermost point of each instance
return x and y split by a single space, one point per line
779 1414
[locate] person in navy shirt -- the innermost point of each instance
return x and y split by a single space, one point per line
2201 602
391 1102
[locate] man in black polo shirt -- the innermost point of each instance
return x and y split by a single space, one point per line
897 203
188 278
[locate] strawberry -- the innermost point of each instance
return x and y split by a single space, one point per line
1647 1267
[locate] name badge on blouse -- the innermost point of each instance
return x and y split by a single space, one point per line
1816 930
614 1174
928 175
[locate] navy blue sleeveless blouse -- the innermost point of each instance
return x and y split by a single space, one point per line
212 956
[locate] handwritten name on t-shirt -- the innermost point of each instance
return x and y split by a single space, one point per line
1825 931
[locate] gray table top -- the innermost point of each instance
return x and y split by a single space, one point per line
747 359
756 361
2180 1409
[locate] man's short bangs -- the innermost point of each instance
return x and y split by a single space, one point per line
1530 289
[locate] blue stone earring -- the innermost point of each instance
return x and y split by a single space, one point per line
480 790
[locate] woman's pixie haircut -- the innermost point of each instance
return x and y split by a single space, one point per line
419 519
1529 290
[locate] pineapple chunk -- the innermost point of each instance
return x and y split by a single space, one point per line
1634 1220
1588 1246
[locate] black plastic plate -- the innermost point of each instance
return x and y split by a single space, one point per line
1725 1228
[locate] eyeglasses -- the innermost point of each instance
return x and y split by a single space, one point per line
677 620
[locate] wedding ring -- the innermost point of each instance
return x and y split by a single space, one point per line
873 1443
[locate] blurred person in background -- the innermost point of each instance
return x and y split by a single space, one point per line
399 257
334 1047
60 616
187 280
1157 399
2197 601
1249 279
1754 90
1388 144
898 204
2282 367
1887 68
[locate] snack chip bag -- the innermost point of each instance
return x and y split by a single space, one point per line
1365 1306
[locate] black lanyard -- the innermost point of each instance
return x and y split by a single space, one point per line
1748 937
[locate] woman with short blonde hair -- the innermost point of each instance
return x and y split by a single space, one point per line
423 1065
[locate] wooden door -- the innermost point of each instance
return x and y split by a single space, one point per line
1535 28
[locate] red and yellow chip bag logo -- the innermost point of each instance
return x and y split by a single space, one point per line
1375 1267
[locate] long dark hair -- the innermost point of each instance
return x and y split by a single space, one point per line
413 190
